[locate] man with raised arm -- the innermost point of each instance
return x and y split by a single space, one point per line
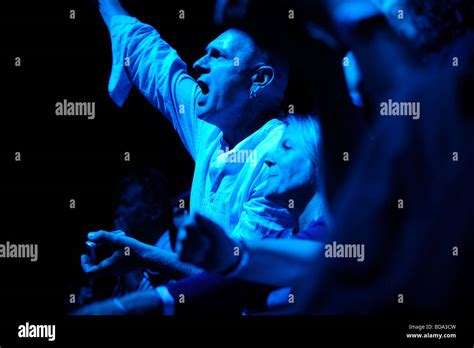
226 119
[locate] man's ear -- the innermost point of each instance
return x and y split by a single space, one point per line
262 78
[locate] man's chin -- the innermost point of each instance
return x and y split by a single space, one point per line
201 116
205 116
272 196
201 113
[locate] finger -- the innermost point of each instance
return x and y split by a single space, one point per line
91 271
144 285
105 266
85 263
104 237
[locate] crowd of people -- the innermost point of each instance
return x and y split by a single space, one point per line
355 201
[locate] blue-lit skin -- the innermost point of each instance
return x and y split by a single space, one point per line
353 79
224 83
229 71
405 25
291 174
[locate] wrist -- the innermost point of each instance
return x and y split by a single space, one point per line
241 260
111 8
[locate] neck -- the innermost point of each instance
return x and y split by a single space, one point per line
238 134
251 119
311 212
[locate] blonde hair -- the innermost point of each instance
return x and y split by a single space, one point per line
307 126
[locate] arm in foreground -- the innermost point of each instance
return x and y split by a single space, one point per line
277 262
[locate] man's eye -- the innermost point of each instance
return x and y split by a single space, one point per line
216 54
285 146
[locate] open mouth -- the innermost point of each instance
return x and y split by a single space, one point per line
203 86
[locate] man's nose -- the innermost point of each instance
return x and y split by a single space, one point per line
201 66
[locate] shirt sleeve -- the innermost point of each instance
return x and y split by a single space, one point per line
142 58
261 218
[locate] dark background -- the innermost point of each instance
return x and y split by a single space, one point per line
67 158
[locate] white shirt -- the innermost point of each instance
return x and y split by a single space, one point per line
226 189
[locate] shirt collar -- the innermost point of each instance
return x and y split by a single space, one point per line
253 139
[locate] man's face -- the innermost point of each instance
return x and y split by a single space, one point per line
224 75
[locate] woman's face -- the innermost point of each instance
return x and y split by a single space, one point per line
290 176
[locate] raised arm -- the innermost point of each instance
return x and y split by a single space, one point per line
110 8
142 58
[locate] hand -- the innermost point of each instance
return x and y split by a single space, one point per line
110 8
206 245
129 254
145 285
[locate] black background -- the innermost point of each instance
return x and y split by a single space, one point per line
67 158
